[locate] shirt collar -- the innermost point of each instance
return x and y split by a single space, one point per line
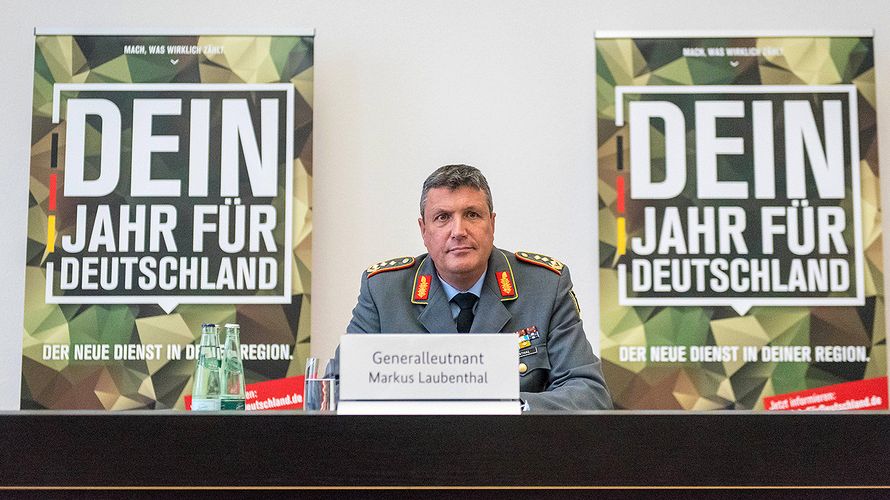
450 291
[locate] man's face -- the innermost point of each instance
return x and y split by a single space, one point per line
458 232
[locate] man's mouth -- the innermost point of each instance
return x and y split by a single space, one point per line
460 249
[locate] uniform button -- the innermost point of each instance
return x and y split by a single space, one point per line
523 367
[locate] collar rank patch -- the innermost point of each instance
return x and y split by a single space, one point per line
541 260
422 291
390 265
505 284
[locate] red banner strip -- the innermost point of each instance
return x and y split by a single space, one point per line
278 394
869 394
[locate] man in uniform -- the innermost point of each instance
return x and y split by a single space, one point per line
465 284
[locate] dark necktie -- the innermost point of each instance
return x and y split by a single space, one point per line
465 301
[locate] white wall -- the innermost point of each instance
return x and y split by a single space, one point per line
402 87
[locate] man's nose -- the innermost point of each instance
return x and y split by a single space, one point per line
458 227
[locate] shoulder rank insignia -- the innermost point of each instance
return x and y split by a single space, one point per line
541 260
390 265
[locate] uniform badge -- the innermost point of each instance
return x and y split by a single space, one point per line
505 284
422 292
528 333
525 337
528 352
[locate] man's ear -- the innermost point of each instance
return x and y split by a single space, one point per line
421 225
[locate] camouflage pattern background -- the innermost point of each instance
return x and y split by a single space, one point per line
157 383
736 384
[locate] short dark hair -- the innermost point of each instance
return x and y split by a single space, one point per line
453 177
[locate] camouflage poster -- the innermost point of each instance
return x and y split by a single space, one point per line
171 185
740 223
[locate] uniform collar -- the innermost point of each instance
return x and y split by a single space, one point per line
491 314
498 277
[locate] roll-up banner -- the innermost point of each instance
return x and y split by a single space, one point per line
740 222
171 185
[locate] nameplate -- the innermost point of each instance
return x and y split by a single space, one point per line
416 367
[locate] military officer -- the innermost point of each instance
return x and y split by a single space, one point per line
465 284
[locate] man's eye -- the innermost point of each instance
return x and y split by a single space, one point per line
442 217
472 215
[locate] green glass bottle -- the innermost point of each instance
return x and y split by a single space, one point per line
206 385
233 370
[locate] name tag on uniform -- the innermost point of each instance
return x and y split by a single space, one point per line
428 373
528 352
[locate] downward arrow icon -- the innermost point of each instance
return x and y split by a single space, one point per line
175 61
733 63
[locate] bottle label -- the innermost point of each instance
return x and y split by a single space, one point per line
205 404
231 404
